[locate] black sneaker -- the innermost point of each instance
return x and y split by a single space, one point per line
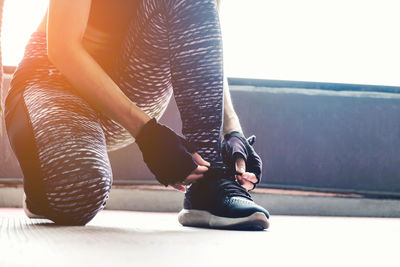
217 201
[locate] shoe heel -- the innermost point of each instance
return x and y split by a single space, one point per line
194 218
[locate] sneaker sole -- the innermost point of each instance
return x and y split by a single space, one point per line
200 218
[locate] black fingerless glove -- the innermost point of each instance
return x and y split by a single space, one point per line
235 145
167 155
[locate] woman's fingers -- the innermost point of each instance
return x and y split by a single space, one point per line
240 165
246 184
199 160
199 170
196 174
247 180
250 177
179 187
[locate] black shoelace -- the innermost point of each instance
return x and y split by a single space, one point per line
226 183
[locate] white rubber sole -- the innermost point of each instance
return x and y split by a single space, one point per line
202 218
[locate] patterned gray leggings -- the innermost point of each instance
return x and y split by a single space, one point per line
172 46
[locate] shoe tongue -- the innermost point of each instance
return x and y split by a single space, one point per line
223 178
214 189
231 188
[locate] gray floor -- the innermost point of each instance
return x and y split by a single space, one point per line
126 238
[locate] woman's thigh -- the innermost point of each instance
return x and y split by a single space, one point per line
67 174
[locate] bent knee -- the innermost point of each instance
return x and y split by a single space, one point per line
76 211
77 201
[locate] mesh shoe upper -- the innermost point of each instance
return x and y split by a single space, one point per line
219 194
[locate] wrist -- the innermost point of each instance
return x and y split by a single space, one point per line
136 123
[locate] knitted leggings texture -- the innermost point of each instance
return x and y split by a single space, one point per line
171 47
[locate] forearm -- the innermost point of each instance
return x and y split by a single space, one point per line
96 87
66 26
231 120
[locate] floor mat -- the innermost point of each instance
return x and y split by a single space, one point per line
123 238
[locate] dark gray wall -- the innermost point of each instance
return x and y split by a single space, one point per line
325 139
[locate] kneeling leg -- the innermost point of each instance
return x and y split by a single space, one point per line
61 148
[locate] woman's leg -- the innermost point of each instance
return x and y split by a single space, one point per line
197 72
60 145
175 44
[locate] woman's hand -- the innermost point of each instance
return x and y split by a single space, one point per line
169 157
247 179
238 154
198 173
